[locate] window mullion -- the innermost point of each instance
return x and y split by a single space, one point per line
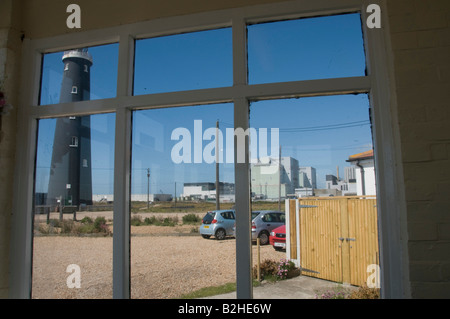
121 235
244 289
125 67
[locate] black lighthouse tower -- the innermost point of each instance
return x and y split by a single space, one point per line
71 173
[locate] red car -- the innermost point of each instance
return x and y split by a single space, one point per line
278 238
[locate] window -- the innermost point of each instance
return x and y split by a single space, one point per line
174 171
306 49
188 61
160 88
61 70
66 191
74 142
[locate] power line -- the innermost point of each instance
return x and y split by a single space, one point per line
325 127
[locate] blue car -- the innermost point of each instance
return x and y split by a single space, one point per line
218 223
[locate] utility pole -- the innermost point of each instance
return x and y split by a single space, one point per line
148 188
217 167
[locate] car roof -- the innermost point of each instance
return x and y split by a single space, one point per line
220 210
267 211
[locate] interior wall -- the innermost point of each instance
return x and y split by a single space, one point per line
420 33
10 48
44 18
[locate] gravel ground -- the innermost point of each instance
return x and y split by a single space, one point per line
166 262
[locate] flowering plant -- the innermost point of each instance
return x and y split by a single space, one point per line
284 267
332 294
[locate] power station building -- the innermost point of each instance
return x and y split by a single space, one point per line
70 173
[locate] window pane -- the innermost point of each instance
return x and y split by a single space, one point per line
189 61
173 189
306 49
72 246
317 149
321 134
87 74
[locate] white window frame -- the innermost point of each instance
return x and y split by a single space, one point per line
391 204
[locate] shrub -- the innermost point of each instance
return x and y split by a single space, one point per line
268 268
169 221
365 293
156 221
100 225
66 226
191 219
86 220
150 220
285 266
136 221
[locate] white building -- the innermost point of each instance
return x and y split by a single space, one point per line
205 191
364 172
307 177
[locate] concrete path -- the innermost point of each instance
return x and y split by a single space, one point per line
301 287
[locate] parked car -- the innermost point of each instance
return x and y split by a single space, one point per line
263 222
278 238
218 223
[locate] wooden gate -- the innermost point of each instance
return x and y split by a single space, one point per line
333 238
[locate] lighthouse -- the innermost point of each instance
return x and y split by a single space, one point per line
70 179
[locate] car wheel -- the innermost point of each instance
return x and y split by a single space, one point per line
263 238
206 236
220 234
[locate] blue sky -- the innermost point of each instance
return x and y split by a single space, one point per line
320 132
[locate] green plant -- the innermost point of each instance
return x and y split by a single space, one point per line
285 267
267 269
136 221
66 226
87 220
100 225
156 221
191 219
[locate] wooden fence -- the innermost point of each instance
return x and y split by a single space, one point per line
333 238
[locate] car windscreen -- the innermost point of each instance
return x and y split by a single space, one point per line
208 218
